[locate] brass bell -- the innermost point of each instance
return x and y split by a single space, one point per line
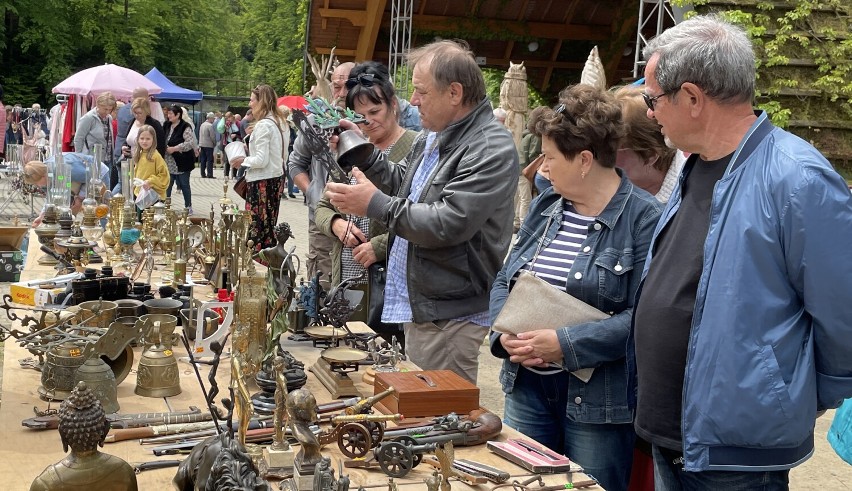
157 373
57 374
100 378
352 149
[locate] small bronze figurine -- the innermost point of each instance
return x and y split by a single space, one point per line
233 469
83 427
279 260
324 475
279 442
433 481
241 396
281 281
301 413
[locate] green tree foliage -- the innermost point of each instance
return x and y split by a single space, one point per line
45 41
789 30
273 38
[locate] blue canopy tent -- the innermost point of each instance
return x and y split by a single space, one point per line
175 93
172 92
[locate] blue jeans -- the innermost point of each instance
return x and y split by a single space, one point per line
182 181
536 408
670 476
291 186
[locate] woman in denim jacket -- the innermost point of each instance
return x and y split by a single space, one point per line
588 235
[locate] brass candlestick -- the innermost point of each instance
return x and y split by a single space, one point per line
113 228
225 202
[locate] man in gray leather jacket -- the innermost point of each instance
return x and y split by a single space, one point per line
448 208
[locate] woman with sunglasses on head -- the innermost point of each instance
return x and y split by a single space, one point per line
587 235
362 243
265 165
180 152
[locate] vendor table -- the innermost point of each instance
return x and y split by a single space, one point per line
25 453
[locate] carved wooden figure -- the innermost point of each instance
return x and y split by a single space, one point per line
514 99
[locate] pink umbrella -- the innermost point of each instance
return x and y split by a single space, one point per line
106 78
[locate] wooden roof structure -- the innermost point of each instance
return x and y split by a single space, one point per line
552 37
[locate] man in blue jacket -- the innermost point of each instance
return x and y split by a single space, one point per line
743 320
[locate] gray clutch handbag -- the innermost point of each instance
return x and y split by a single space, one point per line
535 304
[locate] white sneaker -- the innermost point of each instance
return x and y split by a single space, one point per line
189 211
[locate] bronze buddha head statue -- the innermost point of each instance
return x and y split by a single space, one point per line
82 423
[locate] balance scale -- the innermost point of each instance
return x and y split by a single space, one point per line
336 362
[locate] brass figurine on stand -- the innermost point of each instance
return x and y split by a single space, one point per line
239 373
83 427
279 455
301 414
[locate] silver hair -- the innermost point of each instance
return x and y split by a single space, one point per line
708 51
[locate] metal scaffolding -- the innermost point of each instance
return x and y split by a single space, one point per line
400 44
655 16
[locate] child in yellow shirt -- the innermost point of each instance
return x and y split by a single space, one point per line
151 169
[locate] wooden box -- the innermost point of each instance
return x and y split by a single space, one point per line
416 397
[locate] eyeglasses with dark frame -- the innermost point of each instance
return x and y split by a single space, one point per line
364 79
651 101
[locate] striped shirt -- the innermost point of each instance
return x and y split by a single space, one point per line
553 262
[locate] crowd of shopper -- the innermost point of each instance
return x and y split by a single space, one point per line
712 242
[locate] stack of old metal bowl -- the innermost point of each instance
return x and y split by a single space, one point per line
96 313
128 312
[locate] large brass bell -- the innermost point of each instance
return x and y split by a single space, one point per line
101 380
352 149
157 373
57 374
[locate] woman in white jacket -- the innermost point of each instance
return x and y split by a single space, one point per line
265 165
